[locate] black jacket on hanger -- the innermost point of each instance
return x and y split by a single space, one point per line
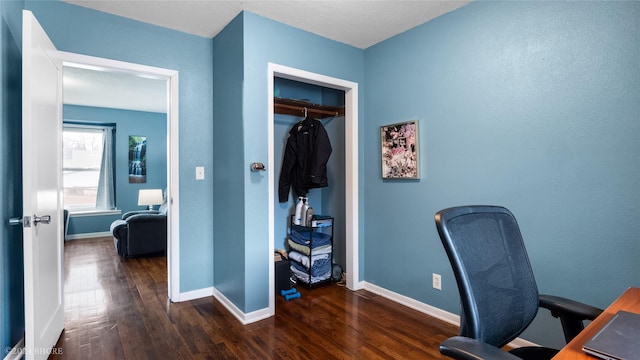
304 165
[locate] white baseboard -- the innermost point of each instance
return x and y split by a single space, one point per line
17 352
88 235
430 310
518 342
244 318
414 304
195 294
358 285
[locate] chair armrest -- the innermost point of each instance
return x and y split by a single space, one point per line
562 305
119 229
464 348
571 313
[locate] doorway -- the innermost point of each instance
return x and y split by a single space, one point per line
171 78
351 167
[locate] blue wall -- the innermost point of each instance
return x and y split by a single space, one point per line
150 124
291 89
530 105
242 229
11 259
229 164
333 196
84 31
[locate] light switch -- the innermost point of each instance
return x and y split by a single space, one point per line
199 172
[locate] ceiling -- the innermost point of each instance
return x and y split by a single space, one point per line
111 89
360 23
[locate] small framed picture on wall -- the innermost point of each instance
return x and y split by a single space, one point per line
137 159
399 144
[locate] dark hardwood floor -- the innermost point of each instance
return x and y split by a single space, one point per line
118 309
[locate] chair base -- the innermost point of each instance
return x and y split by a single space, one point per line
534 353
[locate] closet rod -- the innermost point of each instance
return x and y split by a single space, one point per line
302 109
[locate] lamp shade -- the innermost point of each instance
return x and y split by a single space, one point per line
149 197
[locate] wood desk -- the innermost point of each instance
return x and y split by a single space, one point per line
628 301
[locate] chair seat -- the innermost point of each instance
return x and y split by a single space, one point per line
534 353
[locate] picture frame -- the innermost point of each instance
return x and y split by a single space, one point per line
400 150
137 159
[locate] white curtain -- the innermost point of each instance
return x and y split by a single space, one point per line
106 187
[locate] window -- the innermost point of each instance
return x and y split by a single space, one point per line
87 167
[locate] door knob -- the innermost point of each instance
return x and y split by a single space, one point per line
45 219
26 221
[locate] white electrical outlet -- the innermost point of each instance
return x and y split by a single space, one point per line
437 281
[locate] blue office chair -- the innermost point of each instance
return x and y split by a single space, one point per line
498 293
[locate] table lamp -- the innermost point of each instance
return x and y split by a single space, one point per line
150 197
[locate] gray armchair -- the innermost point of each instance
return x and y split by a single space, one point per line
141 232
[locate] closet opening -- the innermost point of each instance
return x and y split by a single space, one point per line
296 103
333 102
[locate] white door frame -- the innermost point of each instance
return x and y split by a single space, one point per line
173 220
351 167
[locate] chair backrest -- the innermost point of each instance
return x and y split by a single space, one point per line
498 293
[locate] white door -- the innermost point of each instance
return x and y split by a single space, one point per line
42 199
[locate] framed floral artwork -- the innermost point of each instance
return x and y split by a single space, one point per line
399 144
